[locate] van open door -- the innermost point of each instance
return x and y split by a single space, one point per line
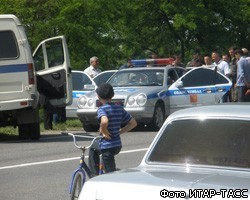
53 71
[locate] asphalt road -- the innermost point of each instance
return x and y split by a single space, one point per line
41 170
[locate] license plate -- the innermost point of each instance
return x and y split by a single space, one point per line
115 101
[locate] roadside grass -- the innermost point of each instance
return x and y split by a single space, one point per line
10 133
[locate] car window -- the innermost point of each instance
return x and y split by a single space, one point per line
137 78
8 47
172 76
180 71
102 78
79 80
203 77
55 55
222 142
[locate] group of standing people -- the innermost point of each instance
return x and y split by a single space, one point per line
235 64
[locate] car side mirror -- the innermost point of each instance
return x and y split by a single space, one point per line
179 84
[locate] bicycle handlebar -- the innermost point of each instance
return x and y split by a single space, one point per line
94 138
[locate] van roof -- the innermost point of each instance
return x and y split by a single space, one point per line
11 16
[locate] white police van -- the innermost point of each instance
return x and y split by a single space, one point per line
23 77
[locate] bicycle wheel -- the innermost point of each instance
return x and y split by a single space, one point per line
77 186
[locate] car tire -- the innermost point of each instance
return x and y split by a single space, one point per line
158 118
29 131
34 129
23 131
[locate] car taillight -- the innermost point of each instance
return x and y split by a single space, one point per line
31 74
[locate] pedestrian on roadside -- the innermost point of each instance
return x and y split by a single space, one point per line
208 62
246 54
243 77
93 69
129 64
196 59
233 70
222 67
226 58
178 61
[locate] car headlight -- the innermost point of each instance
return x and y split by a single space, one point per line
81 102
84 102
90 102
139 100
131 101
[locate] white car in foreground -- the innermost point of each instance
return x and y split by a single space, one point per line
200 152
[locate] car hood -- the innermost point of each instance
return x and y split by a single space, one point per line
126 91
148 184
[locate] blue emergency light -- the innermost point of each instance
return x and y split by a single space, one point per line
152 62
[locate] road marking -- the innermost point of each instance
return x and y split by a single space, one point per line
63 160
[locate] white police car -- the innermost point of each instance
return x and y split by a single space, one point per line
82 84
150 94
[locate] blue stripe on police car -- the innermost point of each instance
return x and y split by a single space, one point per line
77 94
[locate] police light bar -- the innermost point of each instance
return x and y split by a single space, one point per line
153 62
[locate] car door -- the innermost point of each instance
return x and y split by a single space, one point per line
53 72
82 84
103 77
200 86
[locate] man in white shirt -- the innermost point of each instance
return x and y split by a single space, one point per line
93 69
223 67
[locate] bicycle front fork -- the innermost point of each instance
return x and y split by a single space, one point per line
101 165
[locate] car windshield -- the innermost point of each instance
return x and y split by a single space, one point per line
138 78
220 142
103 77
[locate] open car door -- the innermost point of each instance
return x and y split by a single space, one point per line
53 72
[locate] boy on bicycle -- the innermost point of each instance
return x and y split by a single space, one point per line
111 118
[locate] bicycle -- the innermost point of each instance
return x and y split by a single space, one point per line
79 175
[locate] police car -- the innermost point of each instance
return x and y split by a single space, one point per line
150 94
82 84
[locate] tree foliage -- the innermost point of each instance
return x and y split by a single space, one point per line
115 30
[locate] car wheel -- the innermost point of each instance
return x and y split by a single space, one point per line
29 131
23 130
34 131
158 118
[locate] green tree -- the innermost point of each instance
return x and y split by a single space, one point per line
115 30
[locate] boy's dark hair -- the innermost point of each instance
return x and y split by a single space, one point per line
105 91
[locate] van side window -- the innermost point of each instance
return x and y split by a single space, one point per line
8 45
